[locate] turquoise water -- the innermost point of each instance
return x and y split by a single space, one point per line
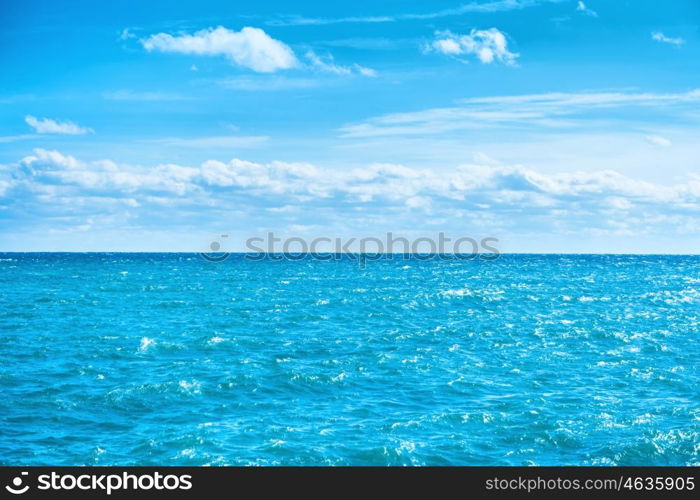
167 359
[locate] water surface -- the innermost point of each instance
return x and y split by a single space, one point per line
166 359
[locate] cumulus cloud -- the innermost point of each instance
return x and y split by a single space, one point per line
498 188
660 37
5 185
52 168
251 197
250 47
487 46
48 126
581 7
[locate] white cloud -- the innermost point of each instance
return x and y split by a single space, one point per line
364 71
250 48
660 37
486 45
5 185
484 159
327 64
619 203
48 126
581 7
126 34
658 140
52 168
421 202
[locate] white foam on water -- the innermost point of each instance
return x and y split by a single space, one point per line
190 387
146 343
457 292
340 377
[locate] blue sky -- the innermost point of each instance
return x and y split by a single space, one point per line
556 126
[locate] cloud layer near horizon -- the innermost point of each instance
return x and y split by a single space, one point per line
66 190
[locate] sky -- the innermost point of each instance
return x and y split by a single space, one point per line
552 125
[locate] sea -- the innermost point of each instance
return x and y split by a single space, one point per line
171 359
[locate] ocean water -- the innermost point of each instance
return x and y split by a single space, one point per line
166 359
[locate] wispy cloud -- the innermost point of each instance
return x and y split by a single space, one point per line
371 43
225 141
250 48
486 45
268 83
48 126
659 141
130 95
126 34
545 110
14 138
327 64
472 7
293 20
660 37
583 8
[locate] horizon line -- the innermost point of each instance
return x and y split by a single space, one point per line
196 252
